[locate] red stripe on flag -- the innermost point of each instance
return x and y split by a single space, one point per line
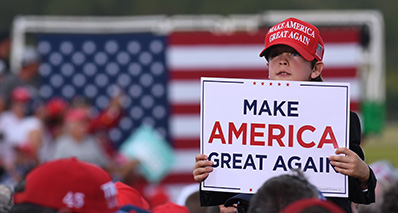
328 34
340 72
177 74
340 34
197 74
185 108
187 143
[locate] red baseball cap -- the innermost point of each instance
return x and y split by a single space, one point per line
76 114
69 184
56 107
21 94
301 205
300 35
129 196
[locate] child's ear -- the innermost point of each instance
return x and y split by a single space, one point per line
317 70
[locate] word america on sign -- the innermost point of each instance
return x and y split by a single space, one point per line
275 132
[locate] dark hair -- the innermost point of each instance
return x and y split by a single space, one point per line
29 208
278 192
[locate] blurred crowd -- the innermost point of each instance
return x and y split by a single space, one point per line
34 131
50 148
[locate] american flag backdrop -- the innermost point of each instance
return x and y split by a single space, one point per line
160 74
99 66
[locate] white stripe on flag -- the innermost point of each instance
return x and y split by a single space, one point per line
214 57
184 92
342 55
246 56
188 92
184 160
185 126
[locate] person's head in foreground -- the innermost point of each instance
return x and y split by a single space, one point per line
312 205
278 192
66 185
294 51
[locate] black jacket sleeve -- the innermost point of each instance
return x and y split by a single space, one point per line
209 198
356 194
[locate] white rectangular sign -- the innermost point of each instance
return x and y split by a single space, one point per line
254 130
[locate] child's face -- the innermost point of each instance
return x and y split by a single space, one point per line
285 63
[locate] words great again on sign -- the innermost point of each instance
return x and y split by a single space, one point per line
257 162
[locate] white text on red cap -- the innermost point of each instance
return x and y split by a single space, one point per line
292 25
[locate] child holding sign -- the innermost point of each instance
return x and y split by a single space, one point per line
294 52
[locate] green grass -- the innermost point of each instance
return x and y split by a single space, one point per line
383 146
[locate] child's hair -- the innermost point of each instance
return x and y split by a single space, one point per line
278 192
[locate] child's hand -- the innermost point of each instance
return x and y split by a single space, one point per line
350 164
202 168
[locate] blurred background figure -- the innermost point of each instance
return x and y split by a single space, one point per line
77 142
5 44
27 76
76 130
53 119
21 137
387 179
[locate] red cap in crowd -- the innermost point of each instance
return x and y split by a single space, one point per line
70 184
76 114
21 94
303 204
56 107
300 35
129 196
